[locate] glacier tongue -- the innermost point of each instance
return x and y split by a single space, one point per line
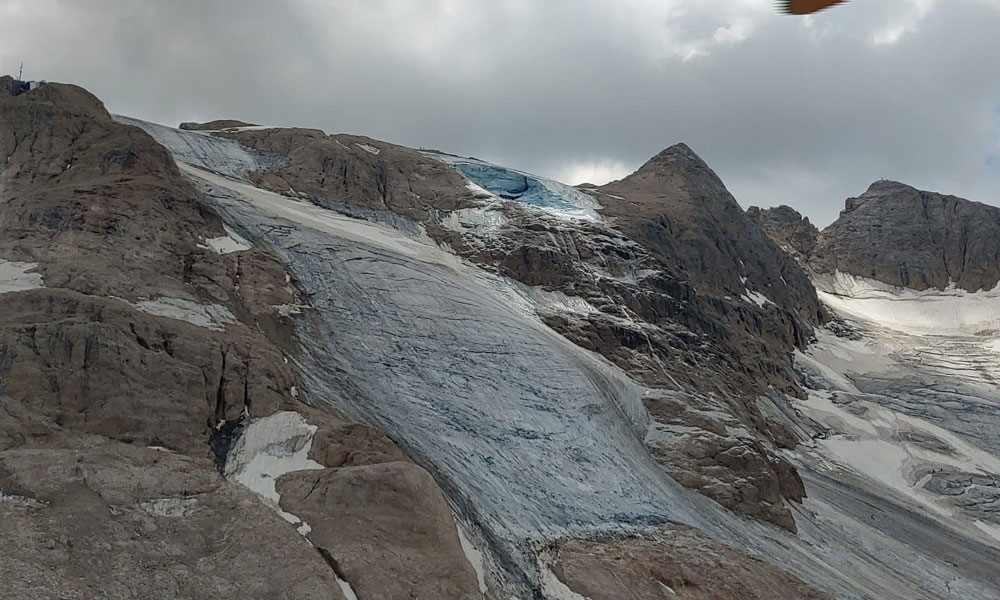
531 437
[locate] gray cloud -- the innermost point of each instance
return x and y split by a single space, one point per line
787 110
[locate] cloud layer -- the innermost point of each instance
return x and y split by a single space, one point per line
788 110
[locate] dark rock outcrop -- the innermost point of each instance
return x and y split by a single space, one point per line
677 562
12 87
792 232
215 125
906 237
358 171
680 210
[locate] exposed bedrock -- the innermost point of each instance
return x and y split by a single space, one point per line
901 236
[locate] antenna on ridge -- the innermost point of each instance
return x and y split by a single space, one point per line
20 73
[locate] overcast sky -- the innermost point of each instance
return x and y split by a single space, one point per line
787 110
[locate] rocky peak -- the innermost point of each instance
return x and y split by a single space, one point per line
787 228
882 189
676 161
903 236
55 96
678 208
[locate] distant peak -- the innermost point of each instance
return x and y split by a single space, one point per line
887 185
679 156
677 150
678 159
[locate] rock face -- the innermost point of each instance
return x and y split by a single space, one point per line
792 232
12 87
87 517
215 125
676 563
910 238
140 339
357 171
678 208
391 514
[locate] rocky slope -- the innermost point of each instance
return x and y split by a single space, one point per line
792 232
138 338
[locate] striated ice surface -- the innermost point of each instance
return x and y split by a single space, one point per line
215 154
531 437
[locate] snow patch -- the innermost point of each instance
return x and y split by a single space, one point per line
269 448
229 243
287 310
22 500
369 148
474 556
479 192
950 311
19 276
210 316
552 587
169 507
346 589
753 297
756 298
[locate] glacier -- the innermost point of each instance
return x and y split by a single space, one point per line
532 438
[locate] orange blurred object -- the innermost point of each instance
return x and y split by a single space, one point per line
805 7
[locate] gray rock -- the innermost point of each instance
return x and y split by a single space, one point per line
676 562
906 237
792 232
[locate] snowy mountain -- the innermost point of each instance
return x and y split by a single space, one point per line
243 361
